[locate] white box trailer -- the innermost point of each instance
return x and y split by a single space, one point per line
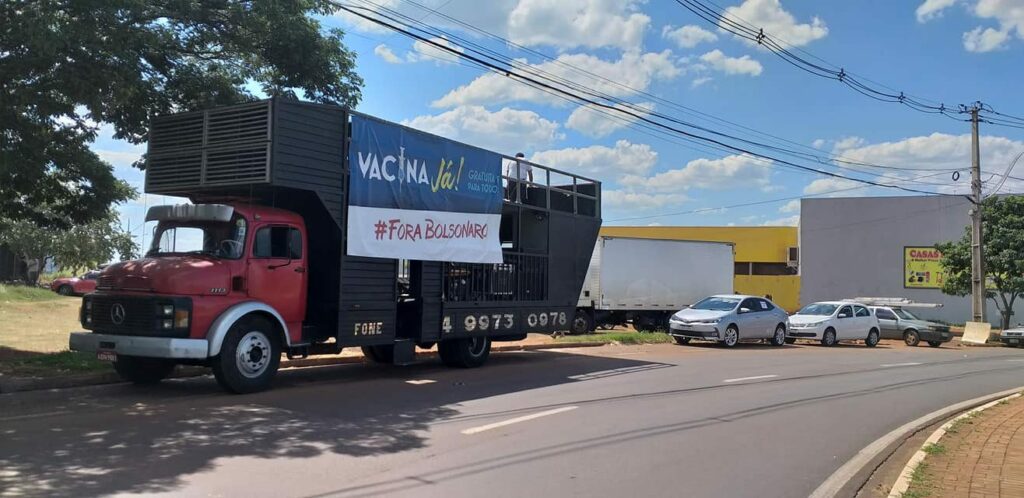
645 281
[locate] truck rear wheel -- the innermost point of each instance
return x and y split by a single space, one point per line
143 371
249 357
380 354
465 353
582 323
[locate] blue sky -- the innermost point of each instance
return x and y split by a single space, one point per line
952 51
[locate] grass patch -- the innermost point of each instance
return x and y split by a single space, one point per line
25 293
620 337
959 423
920 483
53 365
934 449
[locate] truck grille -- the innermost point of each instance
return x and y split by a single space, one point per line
135 315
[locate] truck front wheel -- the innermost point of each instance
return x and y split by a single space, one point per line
143 371
249 357
465 353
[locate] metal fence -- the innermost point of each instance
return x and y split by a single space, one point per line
521 277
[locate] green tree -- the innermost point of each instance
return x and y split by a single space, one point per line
76 248
68 65
1003 227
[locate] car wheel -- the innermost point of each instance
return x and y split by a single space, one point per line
872 339
143 371
791 340
465 353
681 340
249 358
935 344
911 337
65 290
582 323
829 337
732 336
779 338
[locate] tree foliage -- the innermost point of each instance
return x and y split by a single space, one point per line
1003 229
67 65
76 248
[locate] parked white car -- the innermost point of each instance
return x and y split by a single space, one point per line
834 321
1013 337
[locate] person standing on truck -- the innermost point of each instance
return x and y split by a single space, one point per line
516 172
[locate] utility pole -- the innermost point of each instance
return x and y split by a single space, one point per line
977 245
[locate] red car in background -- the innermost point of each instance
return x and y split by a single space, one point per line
75 286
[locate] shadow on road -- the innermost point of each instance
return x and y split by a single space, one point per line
127 439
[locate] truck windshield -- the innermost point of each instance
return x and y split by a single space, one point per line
904 314
212 238
818 309
716 304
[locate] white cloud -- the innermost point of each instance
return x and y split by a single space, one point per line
569 24
384 52
829 185
507 130
633 70
792 206
700 81
732 65
688 36
597 122
847 143
730 172
819 143
931 9
599 160
423 51
788 221
1007 14
639 201
985 40
776 22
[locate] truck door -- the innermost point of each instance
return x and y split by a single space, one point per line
277 273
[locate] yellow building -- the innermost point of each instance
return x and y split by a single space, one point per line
763 264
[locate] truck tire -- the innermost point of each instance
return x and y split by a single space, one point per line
582 323
143 371
380 354
249 357
465 353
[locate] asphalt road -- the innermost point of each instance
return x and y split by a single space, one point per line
614 421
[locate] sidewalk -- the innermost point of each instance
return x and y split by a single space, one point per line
982 457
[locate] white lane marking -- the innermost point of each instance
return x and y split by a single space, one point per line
756 377
900 364
420 382
35 415
524 418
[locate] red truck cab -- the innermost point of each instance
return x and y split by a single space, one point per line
217 276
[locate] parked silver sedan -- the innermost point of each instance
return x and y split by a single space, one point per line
729 319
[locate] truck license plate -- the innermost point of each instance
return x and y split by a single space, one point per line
106 355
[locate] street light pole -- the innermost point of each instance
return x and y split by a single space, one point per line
977 243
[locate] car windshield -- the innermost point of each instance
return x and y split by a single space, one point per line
904 314
716 304
212 238
818 309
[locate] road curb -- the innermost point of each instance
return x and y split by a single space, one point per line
903 481
842 477
23 384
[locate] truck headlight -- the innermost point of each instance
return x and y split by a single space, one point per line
167 309
168 324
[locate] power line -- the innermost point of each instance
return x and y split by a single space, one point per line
500 65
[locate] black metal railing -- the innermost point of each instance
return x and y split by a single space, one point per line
521 277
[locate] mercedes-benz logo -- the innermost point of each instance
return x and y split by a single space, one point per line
117 313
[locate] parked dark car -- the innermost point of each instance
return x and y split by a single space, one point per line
898 323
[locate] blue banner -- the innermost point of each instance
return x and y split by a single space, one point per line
398 168
417 196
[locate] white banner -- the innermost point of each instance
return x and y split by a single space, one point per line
424 235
